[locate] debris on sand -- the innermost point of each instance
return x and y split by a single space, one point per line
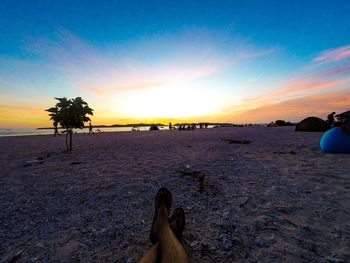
237 141
282 152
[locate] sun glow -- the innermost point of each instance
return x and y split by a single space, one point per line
168 102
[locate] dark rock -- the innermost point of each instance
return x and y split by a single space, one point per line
260 242
218 222
124 245
282 209
262 222
334 259
131 260
226 215
204 249
242 201
236 240
226 242
194 243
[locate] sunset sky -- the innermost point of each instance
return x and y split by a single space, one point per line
149 61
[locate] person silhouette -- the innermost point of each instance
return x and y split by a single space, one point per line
90 128
330 119
56 129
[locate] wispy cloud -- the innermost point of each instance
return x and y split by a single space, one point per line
303 86
337 71
110 87
310 92
333 55
319 105
292 89
143 63
254 79
143 77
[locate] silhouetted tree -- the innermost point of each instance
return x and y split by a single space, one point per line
70 114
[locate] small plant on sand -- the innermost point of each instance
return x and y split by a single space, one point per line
70 114
199 176
201 180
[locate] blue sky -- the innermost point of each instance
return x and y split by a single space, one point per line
195 60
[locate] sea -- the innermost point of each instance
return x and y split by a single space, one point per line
34 131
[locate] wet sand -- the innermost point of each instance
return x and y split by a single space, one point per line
277 199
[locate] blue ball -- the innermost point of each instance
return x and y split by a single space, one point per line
335 141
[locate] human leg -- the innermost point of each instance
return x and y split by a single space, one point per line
177 224
171 250
164 234
152 255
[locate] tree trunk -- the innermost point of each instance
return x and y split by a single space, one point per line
70 139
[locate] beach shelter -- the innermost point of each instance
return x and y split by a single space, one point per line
154 128
312 124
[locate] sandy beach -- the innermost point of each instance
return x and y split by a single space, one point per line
277 199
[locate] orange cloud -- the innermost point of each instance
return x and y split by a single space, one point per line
297 88
335 77
314 93
323 79
307 84
296 109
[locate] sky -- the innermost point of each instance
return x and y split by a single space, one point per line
179 61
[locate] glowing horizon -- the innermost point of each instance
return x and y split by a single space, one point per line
223 69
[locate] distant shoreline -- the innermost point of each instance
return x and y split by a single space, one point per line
100 128
151 124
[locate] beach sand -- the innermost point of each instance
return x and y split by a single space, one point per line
278 199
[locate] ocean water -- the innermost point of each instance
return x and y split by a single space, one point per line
34 131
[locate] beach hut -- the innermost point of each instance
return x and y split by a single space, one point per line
312 124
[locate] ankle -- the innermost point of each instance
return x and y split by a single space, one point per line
162 218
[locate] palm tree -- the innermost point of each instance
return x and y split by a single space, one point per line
70 114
